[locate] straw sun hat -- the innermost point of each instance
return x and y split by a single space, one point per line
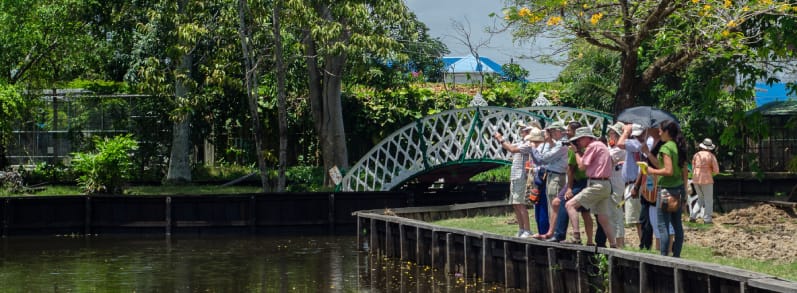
707 144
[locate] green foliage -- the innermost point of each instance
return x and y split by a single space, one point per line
11 108
495 175
304 179
48 173
191 189
590 78
222 172
11 103
108 168
374 114
423 61
601 263
298 178
520 94
514 72
665 38
101 87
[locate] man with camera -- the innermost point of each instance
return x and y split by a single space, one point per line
593 156
517 177
554 157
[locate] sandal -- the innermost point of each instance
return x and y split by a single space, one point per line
540 236
575 240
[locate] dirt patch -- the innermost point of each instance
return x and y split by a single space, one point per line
762 232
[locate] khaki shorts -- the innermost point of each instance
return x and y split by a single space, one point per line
553 184
517 191
632 207
596 197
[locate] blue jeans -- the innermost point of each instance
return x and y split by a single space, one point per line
644 221
562 219
666 219
541 213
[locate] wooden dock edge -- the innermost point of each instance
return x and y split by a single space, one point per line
538 266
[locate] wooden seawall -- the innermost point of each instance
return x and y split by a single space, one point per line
537 266
324 212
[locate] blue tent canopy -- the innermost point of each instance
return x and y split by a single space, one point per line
765 94
468 64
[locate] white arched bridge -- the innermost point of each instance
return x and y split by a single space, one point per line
453 146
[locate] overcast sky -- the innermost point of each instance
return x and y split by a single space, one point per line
439 14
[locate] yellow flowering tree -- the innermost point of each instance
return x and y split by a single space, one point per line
678 32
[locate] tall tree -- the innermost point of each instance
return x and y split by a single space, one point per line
44 44
174 58
678 32
282 105
252 67
334 33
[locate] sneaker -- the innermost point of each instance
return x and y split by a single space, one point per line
525 234
519 232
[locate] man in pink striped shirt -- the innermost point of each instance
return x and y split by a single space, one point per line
593 156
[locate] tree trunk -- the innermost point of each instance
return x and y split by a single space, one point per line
314 87
180 157
334 135
628 89
281 102
251 84
325 104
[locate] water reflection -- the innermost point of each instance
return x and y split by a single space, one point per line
388 275
212 264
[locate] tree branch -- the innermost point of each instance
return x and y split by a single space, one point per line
30 61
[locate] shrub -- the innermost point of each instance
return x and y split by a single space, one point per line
108 168
48 173
500 174
304 178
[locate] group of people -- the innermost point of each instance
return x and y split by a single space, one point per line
634 176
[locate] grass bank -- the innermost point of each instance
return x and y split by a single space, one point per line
58 190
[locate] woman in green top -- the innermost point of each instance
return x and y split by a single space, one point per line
672 175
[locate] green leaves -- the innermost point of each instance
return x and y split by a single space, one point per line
108 168
11 107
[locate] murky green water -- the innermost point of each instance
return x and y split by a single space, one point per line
210 264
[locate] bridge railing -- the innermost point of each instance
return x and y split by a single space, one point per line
453 137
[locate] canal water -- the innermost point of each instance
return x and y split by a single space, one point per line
212 264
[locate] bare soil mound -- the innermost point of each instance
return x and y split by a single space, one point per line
761 232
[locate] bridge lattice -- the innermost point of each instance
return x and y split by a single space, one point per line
453 145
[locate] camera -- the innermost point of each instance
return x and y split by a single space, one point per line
566 142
